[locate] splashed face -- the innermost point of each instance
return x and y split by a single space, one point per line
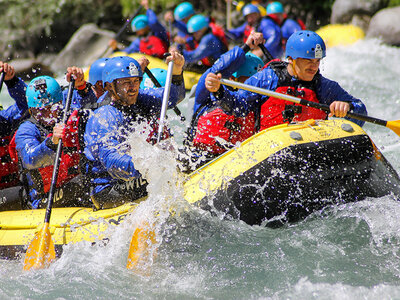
47 115
127 90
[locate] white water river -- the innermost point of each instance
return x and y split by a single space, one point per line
348 252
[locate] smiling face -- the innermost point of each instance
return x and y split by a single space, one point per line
127 90
304 68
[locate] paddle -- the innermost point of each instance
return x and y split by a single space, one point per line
128 21
41 251
266 52
2 79
144 235
157 84
393 125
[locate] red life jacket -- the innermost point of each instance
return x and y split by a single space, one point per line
153 46
215 123
272 110
247 30
9 167
69 163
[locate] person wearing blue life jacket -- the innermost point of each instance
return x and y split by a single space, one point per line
114 177
212 130
36 144
152 38
288 26
209 42
254 22
299 77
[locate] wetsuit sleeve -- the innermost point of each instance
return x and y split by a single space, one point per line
105 143
227 64
237 32
272 35
133 47
151 98
181 27
33 152
242 102
17 90
208 46
156 27
79 99
330 91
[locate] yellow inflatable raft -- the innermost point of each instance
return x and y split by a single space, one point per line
340 34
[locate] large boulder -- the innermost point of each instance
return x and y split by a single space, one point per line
343 11
86 45
386 26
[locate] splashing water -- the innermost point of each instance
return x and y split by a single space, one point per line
344 252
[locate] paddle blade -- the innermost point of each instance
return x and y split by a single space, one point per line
41 251
394 125
141 249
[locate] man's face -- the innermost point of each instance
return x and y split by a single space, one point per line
47 115
306 68
253 18
127 90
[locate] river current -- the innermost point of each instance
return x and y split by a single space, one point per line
350 251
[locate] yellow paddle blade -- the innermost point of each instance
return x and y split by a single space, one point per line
141 248
41 251
394 125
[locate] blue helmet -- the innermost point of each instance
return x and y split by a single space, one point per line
305 44
139 22
96 70
249 9
183 10
121 67
252 65
43 91
275 8
196 23
159 74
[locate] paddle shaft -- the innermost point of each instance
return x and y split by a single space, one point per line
167 90
2 75
321 106
122 29
58 155
266 52
158 84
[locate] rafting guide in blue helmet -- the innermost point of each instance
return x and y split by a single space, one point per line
299 76
114 178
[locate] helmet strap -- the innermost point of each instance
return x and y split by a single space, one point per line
114 92
294 68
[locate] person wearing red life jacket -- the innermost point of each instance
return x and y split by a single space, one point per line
209 41
299 77
288 26
10 118
214 130
152 38
111 168
36 144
